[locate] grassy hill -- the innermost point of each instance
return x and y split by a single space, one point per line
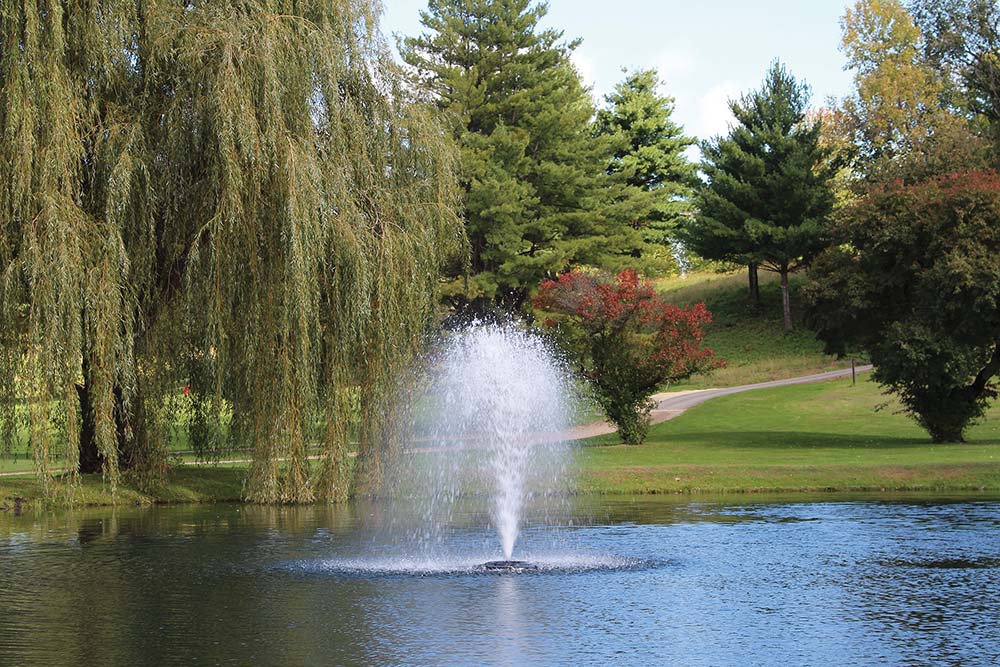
753 343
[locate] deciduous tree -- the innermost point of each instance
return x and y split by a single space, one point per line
962 39
916 283
626 339
900 114
231 196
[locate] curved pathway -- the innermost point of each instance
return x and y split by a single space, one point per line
672 403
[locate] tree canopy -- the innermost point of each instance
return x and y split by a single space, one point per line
909 279
900 115
236 197
529 166
962 41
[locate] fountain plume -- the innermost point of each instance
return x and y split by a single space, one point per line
488 432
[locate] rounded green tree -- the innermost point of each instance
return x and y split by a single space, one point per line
916 284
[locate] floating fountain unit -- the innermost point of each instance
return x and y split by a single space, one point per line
513 566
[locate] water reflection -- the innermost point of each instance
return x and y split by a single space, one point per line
510 618
857 583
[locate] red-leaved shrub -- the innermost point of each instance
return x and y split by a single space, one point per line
626 339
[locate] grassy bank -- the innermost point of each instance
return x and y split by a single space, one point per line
819 437
824 437
752 342
188 484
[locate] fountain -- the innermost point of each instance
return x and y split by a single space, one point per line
480 486
488 427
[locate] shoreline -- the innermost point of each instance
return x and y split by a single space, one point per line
224 485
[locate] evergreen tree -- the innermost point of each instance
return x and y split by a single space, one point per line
522 119
651 179
769 184
233 197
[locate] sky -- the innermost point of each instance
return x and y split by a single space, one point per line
706 51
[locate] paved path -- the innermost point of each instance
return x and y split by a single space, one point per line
670 404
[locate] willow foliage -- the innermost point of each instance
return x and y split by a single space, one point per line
233 196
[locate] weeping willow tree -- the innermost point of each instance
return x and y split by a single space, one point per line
229 196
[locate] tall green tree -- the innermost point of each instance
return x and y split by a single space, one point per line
651 180
522 118
768 192
230 196
915 282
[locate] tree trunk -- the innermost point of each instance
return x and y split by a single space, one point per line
129 429
754 284
948 414
786 304
949 434
90 459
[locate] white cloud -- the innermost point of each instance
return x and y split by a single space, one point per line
588 71
713 114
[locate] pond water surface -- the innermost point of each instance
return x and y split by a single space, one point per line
643 581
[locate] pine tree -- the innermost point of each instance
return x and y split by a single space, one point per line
522 118
651 179
769 184
233 197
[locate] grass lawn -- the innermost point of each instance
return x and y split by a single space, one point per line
818 437
16 462
754 345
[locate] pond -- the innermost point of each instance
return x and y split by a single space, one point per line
633 581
